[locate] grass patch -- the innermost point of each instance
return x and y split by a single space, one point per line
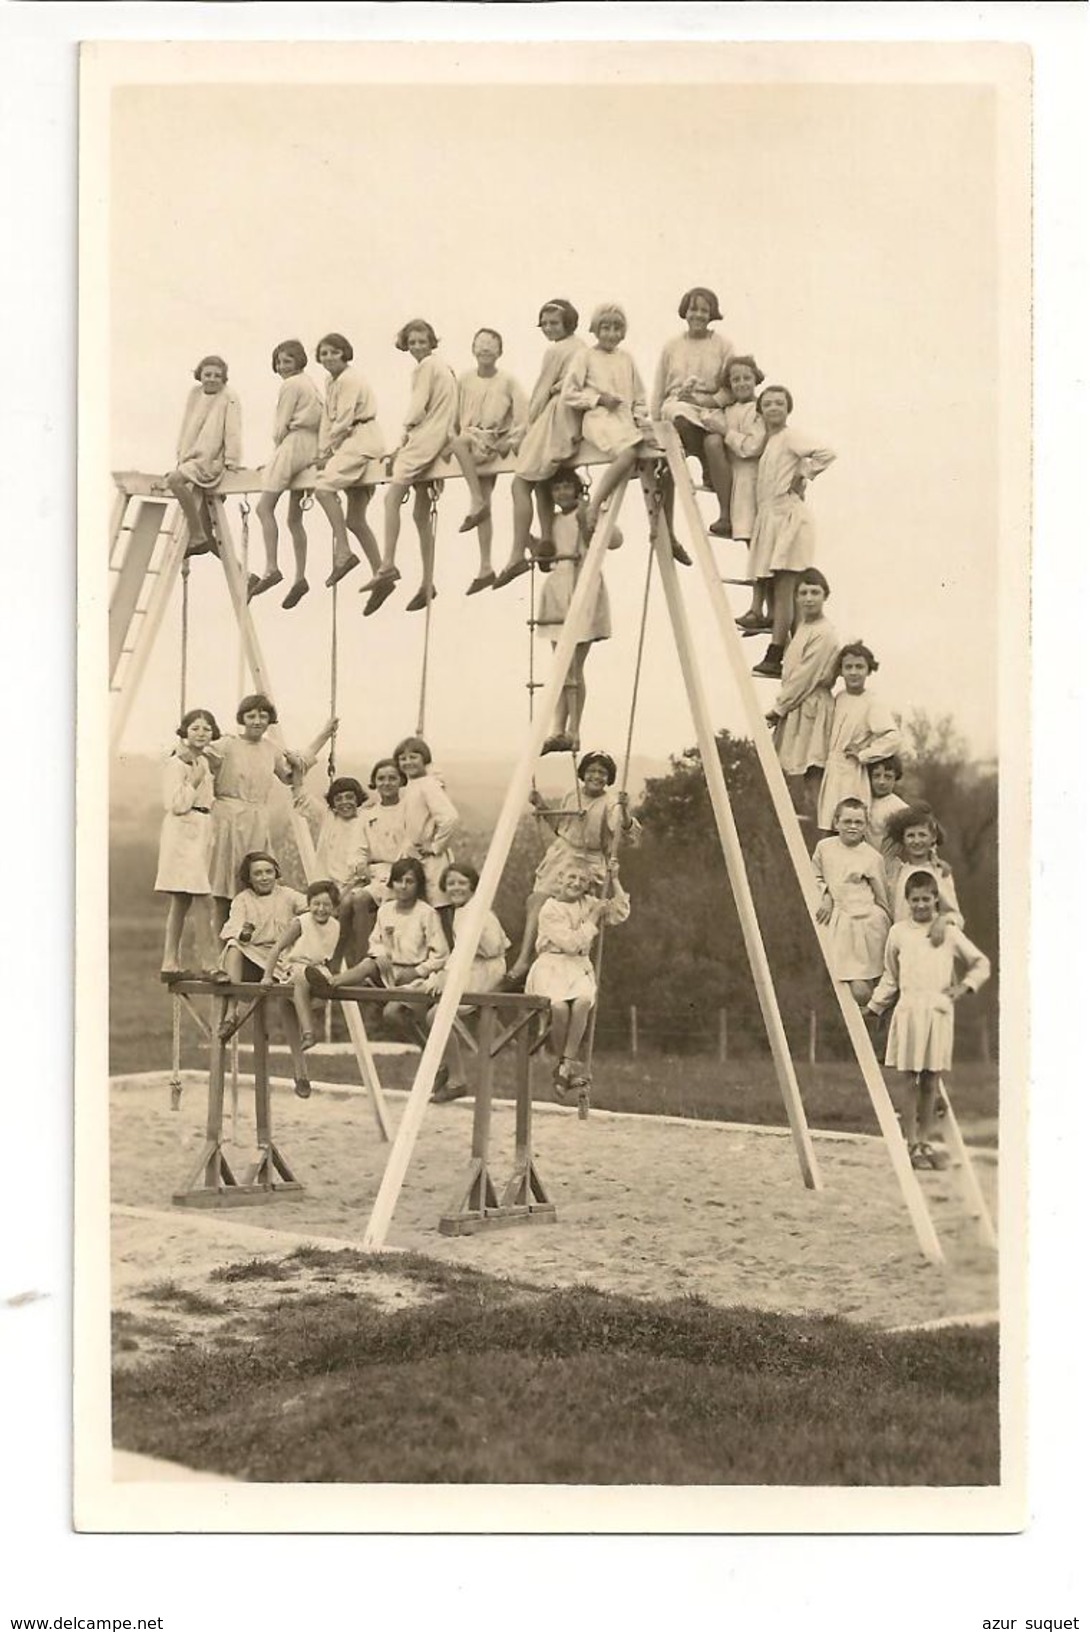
182 1298
483 1385
254 1269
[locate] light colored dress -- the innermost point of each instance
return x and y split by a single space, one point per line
270 915
687 362
553 434
854 876
349 435
584 834
429 424
558 586
341 850
864 728
805 700
243 781
562 970
492 414
944 879
185 839
295 433
783 533
316 944
593 372
744 434
921 1033
489 964
384 842
431 821
411 940
878 819
211 436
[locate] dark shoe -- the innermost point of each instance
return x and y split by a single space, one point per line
771 665
512 983
484 580
295 594
560 744
384 575
680 555
379 596
201 546
426 593
341 570
258 586
510 573
720 529
302 1088
474 519
752 623
318 979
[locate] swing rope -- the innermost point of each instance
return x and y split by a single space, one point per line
183 678
244 513
332 762
599 951
433 489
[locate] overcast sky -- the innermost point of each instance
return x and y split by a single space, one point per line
850 231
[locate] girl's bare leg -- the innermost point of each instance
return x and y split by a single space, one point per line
300 997
172 942
577 1025
912 1110
331 505
426 532
266 515
522 516
392 531
811 787
576 687
298 535
196 517
783 606
360 974
221 911
559 1021
616 474
526 950
462 452
295 1044
930 1083
358 498
718 466
484 526
545 509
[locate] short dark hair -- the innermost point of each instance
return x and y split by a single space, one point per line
247 862
377 766
336 342
922 881
413 745
568 314
410 865
918 815
211 358
893 761
465 868
345 784
746 361
192 714
813 575
598 756
324 886
857 648
709 295
784 392
850 803
495 333
292 348
402 339
257 699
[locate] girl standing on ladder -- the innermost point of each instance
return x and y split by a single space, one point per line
863 729
585 823
246 768
295 439
603 384
492 417
552 439
691 378
185 840
801 717
349 438
209 443
433 406
571 540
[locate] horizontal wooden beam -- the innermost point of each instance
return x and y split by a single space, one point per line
144 484
509 1002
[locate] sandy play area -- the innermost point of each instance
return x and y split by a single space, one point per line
646 1206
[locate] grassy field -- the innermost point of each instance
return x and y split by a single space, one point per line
489 1381
695 1086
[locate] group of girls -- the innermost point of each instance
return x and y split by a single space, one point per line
388 901
887 896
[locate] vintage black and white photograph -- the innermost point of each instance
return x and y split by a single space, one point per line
556 672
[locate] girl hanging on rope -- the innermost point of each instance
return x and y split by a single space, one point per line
604 386
783 533
407 943
920 972
570 542
862 731
585 823
433 406
209 443
309 941
801 717
552 437
691 378
431 820
491 422
486 973
885 803
914 836
563 971
295 440
855 903
246 768
349 438
185 840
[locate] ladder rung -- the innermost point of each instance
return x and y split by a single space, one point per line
743 583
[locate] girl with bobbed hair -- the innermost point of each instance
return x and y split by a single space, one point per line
407 944
185 838
801 717
490 424
692 378
209 443
433 405
862 730
603 384
295 443
349 440
552 439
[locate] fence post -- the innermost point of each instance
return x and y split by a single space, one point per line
722 1036
813 1037
633 1030
985 1040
